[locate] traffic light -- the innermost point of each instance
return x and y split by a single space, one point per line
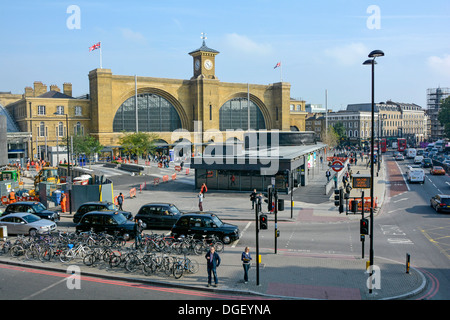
263 222
364 226
269 199
337 197
354 206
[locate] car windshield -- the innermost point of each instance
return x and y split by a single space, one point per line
29 218
120 218
38 207
111 206
174 210
445 201
217 221
438 168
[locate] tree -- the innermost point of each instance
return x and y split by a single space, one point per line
340 131
329 137
87 145
444 116
138 143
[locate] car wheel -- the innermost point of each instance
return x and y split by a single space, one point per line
226 239
32 232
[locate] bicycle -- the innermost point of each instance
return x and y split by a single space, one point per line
184 265
80 251
205 244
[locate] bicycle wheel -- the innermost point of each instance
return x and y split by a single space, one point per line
66 255
17 251
218 245
89 259
45 254
199 248
114 260
132 264
178 270
31 253
193 266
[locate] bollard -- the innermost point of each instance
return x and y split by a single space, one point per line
408 262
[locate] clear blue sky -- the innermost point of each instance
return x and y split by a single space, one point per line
321 44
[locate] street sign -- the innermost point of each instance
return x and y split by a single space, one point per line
337 166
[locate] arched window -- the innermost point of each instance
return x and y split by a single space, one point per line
155 114
234 115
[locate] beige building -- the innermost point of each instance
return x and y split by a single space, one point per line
198 110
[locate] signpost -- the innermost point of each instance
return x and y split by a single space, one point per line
337 166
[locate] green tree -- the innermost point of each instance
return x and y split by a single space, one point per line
340 131
444 116
138 143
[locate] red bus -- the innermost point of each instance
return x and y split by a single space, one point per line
383 145
401 144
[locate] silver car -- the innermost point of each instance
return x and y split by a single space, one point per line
26 223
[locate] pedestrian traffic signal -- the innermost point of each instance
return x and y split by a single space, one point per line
263 222
337 197
269 199
364 226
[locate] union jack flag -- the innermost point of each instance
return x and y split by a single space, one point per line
95 46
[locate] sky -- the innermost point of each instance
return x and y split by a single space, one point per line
321 44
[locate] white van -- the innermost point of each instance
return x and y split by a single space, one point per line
411 153
416 175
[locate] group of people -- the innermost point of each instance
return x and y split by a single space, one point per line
213 262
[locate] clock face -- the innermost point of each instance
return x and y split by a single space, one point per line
208 64
197 64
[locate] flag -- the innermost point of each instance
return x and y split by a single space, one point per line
278 65
95 46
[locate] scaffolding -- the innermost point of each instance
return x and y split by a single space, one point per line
435 96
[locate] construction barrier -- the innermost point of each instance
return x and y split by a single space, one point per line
156 181
174 176
366 203
187 171
133 193
178 168
165 178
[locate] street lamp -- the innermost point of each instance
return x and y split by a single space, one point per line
68 160
374 54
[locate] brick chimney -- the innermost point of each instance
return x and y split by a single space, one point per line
39 88
67 89
54 87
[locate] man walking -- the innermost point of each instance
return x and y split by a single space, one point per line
253 198
200 201
120 201
212 262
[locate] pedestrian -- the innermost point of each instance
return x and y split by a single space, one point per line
120 201
259 199
212 262
253 198
203 189
138 228
335 181
246 258
328 174
200 201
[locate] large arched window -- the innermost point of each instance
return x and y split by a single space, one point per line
155 114
234 115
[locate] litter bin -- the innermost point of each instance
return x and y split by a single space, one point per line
3 232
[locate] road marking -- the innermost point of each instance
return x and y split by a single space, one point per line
45 289
242 233
403 176
402 199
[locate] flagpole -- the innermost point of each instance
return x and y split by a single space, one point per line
101 55
281 71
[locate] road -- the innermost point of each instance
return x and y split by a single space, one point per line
406 224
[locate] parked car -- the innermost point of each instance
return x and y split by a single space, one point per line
399 157
34 207
205 224
26 223
427 163
159 215
440 203
437 170
98 206
106 221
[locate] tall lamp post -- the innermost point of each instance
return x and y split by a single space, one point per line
373 55
69 189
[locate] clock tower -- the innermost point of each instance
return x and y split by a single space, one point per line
204 61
